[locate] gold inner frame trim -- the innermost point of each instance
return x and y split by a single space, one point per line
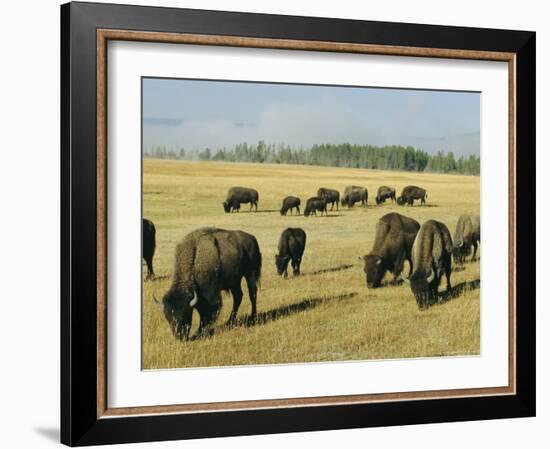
105 35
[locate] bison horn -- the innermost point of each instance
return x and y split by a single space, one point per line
194 301
378 260
460 243
158 303
431 277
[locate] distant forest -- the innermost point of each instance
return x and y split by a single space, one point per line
389 157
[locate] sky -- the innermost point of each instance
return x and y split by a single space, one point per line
198 114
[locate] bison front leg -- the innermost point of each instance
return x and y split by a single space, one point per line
237 294
298 210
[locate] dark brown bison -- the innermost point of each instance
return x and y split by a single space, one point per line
393 243
149 244
411 193
467 234
291 248
289 203
431 257
209 260
331 196
385 192
355 194
315 204
239 195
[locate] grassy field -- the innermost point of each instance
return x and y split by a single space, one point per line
327 314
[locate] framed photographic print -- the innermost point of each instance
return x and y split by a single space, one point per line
280 224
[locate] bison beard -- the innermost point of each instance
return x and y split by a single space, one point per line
208 261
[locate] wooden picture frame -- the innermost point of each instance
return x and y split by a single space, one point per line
86 29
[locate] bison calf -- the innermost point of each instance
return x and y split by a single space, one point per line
292 244
208 261
467 234
393 243
289 203
431 257
149 244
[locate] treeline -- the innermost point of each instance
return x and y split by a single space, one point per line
389 157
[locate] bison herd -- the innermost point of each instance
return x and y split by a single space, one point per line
211 260
325 196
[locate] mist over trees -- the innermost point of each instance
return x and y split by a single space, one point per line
389 157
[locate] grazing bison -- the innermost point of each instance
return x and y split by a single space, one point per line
355 194
330 195
209 260
393 243
385 192
467 234
239 195
289 203
314 204
149 244
411 193
291 248
431 257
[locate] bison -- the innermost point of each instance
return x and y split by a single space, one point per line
355 194
411 193
331 196
385 192
289 203
239 195
393 243
209 260
314 204
149 244
467 234
431 257
292 244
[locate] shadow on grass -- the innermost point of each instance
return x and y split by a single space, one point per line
156 278
273 315
458 290
458 268
328 270
290 309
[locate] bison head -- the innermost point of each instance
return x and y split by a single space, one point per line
424 288
226 206
374 270
178 311
460 251
282 263
400 200
283 211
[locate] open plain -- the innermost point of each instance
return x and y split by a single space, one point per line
327 313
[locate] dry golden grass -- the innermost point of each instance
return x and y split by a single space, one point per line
322 315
